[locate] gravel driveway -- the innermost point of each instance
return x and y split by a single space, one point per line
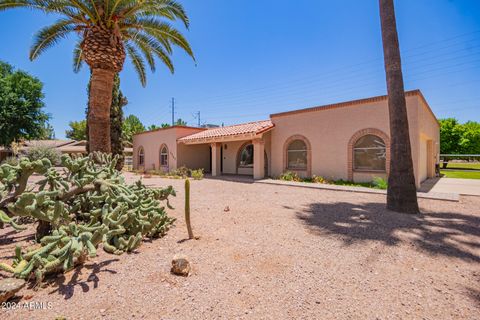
275 252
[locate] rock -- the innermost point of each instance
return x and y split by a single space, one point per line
9 287
227 209
180 265
362 217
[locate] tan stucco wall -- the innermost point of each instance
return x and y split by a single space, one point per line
153 140
194 156
330 130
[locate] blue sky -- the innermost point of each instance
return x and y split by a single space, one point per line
259 57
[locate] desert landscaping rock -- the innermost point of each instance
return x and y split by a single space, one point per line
9 287
180 266
292 253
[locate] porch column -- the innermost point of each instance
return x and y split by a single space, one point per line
258 159
216 159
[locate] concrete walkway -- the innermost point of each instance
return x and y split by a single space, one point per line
433 195
469 187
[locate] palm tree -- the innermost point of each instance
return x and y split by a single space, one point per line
402 193
108 31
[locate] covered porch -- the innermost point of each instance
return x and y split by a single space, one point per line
235 150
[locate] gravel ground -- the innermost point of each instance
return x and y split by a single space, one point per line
276 252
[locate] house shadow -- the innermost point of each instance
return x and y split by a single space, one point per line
232 178
66 284
441 233
428 184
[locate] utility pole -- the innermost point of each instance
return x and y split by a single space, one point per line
173 112
198 116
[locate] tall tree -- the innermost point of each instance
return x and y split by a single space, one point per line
116 122
131 126
21 107
402 192
77 131
108 32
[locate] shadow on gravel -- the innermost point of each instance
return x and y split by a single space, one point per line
440 233
67 287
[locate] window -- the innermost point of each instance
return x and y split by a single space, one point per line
370 154
141 157
164 157
246 156
297 155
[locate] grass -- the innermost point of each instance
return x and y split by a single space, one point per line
461 174
464 165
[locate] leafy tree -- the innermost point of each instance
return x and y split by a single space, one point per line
47 132
107 32
21 106
165 125
131 126
180 122
470 143
77 131
451 133
152 127
402 191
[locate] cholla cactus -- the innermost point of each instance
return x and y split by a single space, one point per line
86 205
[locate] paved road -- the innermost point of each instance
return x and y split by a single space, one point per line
449 185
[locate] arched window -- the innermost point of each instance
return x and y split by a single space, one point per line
297 155
141 157
370 154
246 156
164 156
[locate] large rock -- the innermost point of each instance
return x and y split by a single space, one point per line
9 287
180 265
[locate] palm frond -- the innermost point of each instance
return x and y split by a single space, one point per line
77 57
145 42
50 35
137 62
162 29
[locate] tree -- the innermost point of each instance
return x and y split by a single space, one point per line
470 143
152 127
21 106
180 122
165 125
402 192
77 131
131 126
108 32
116 122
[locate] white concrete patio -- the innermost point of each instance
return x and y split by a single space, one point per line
470 187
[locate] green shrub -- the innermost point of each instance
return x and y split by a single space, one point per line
319 179
197 174
13 161
40 152
290 176
380 183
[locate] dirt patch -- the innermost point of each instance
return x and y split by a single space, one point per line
281 253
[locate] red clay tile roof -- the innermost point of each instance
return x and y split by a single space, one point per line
238 129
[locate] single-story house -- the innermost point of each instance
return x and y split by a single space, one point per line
348 140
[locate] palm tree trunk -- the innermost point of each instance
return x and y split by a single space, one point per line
101 87
402 193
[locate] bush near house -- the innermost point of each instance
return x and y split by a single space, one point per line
377 183
179 173
44 152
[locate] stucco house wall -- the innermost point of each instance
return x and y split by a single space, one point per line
329 130
152 141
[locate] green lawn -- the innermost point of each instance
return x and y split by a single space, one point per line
461 174
463 166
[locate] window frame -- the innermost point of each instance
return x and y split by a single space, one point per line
141 156
354 149
243 147
166 154
288 151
